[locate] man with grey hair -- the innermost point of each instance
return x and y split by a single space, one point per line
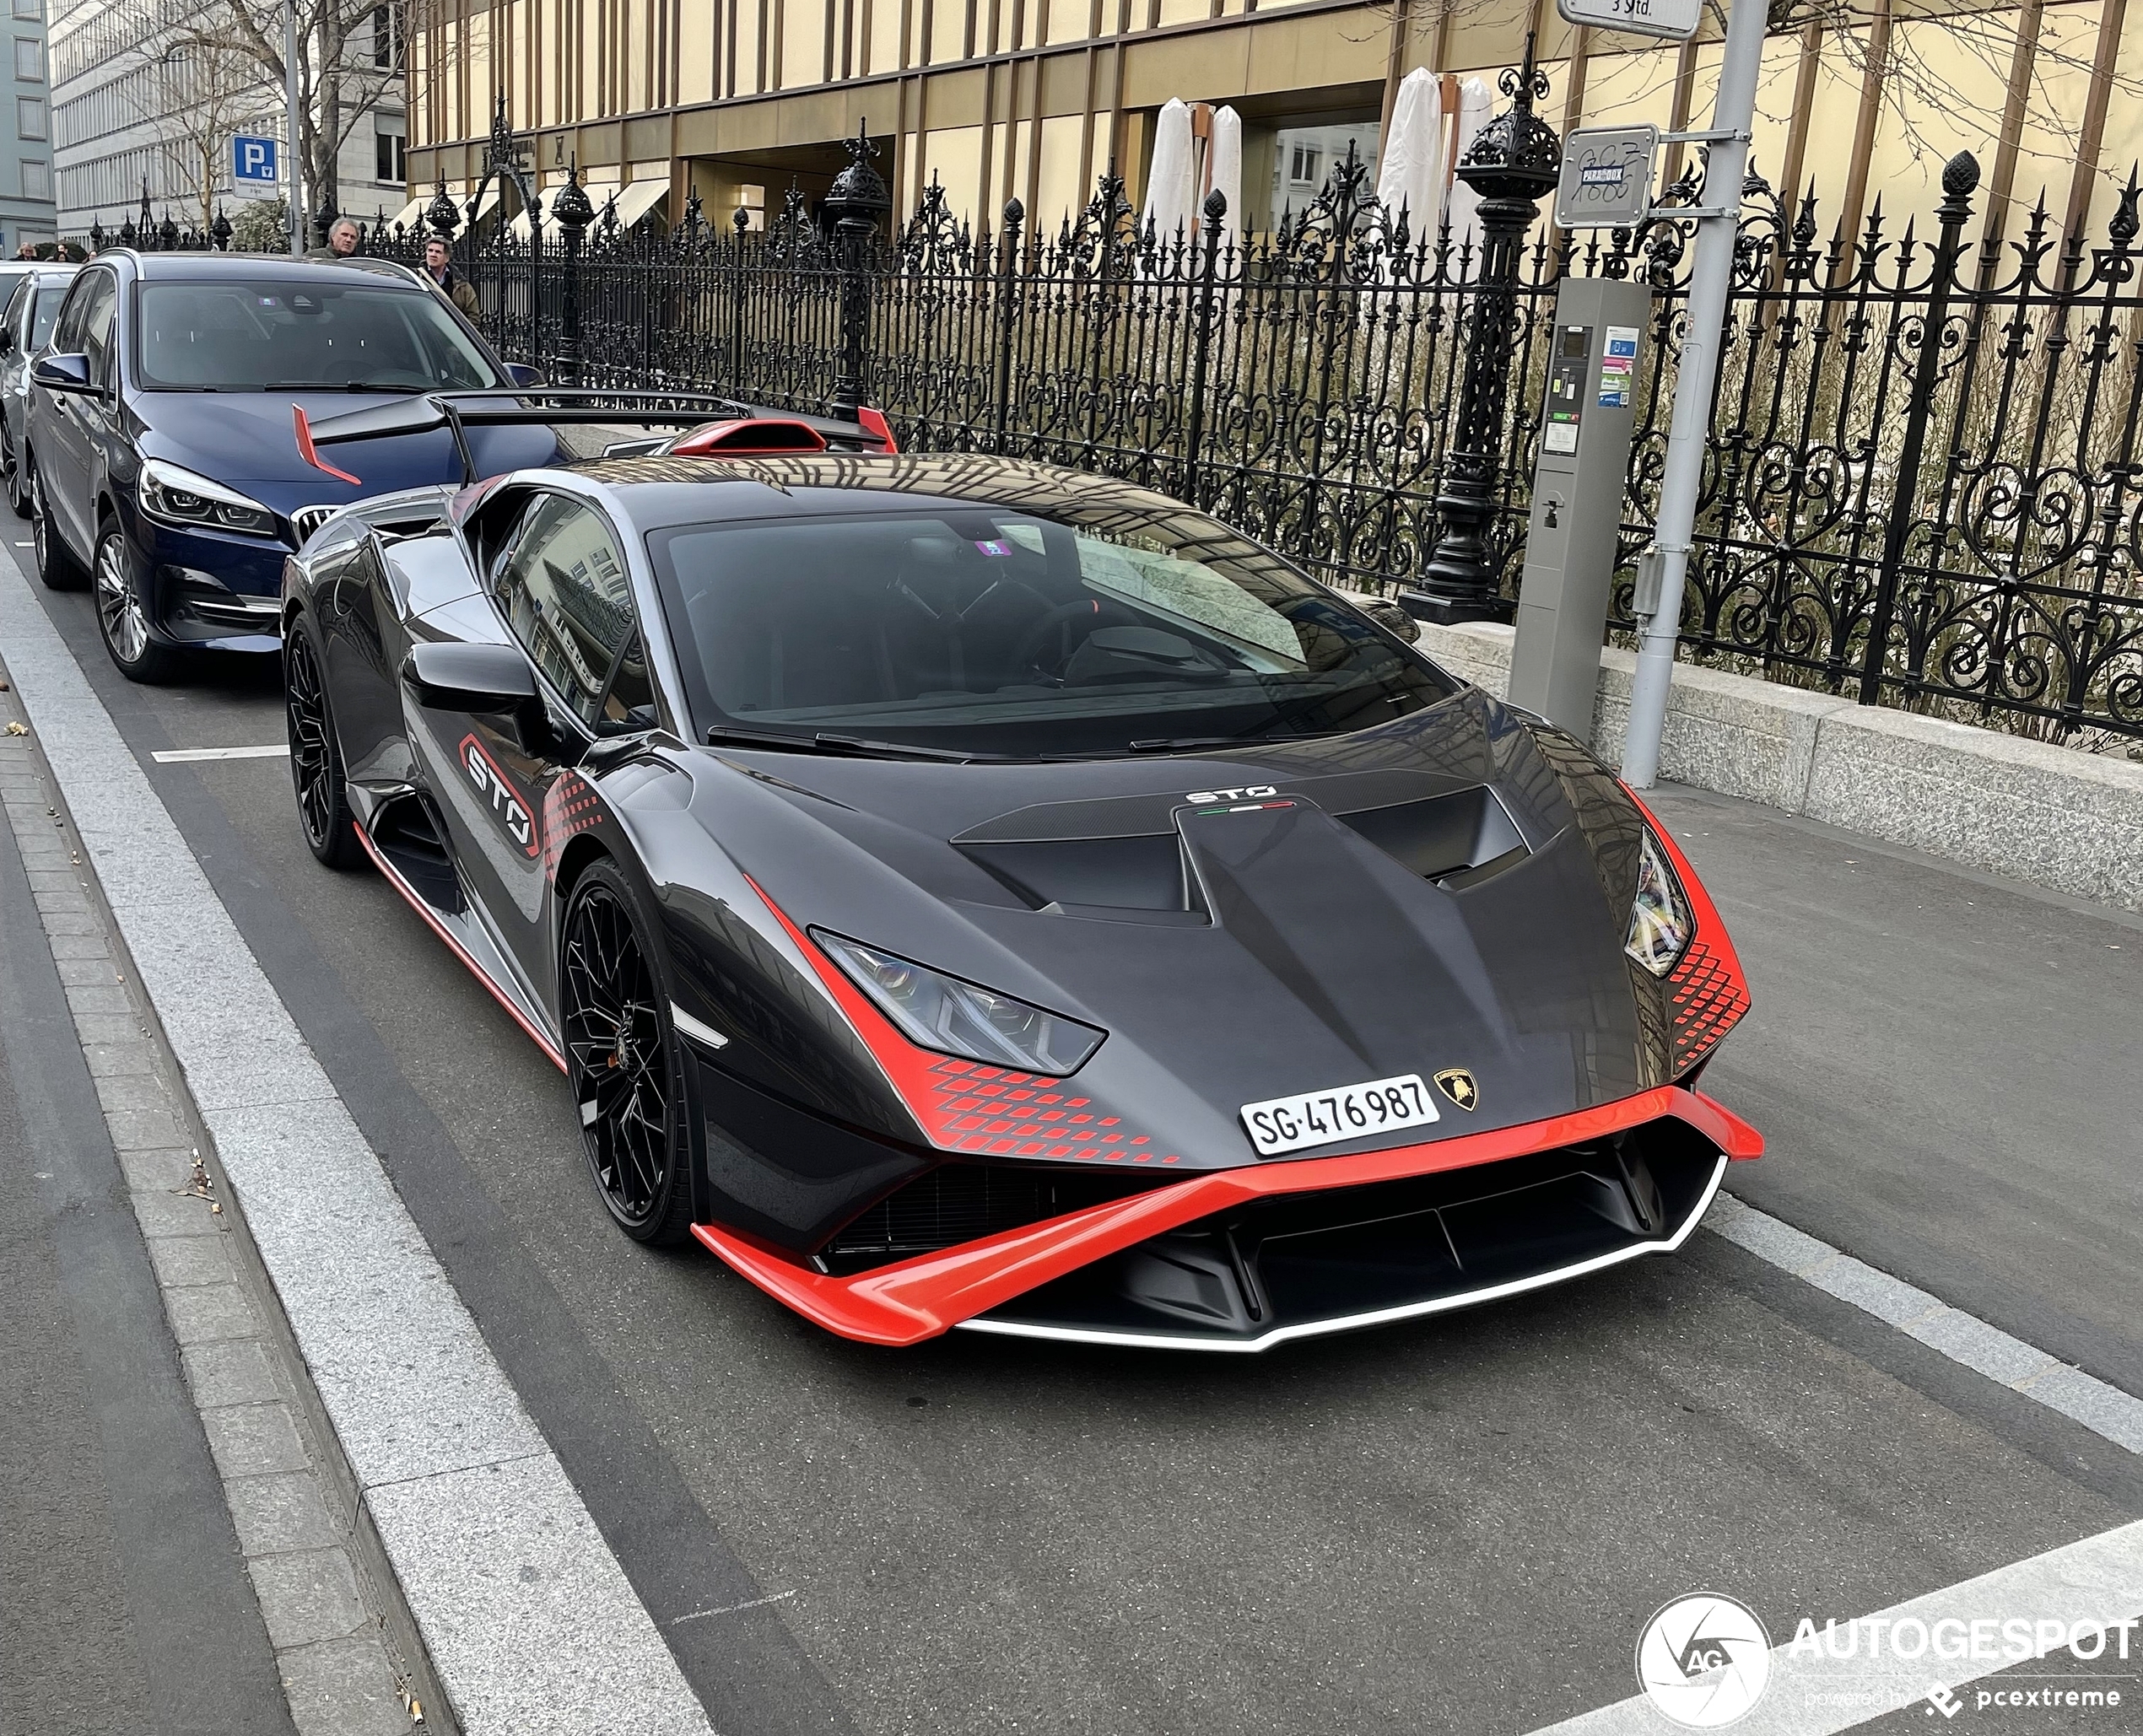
341 240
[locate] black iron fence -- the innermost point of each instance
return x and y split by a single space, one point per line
1923 483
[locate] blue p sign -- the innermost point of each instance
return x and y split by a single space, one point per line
252 161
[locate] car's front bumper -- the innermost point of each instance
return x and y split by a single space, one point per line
1240 1260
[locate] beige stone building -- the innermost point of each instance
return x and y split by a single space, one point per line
1032 99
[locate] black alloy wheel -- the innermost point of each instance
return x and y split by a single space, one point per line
56 567
316 760
123 612
622 1061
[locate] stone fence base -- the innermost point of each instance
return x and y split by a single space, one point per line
2069 821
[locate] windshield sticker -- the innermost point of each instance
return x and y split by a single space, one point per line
994 548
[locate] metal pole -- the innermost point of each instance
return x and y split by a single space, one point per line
293 105
1711 276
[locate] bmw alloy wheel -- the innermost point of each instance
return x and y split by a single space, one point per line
119 601
618 1059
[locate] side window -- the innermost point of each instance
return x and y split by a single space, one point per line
562 588
68 338
98 331
12 316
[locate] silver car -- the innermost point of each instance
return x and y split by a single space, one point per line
33 303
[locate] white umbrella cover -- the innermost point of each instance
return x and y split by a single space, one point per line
1171 200
1410 162
1228 171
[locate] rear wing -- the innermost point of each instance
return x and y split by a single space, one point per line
735 428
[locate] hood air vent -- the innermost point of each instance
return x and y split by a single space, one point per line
1455 840
1118 879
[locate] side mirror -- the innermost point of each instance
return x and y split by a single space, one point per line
521 374
6 340
488 680
65 374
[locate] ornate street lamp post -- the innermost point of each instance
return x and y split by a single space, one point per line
858 199
1513 160
573 213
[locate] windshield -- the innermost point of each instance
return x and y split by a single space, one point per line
992 632
298 334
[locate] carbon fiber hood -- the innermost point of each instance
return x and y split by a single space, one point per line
1447 891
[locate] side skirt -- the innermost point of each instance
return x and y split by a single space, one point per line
466 938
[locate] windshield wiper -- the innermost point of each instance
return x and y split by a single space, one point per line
1188 744
854 746
366 386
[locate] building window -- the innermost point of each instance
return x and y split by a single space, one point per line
386 35
29 9
29 60
29 117
36 179
388 156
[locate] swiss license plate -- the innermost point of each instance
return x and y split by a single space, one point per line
1347 1112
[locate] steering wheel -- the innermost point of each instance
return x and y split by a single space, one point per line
1025 652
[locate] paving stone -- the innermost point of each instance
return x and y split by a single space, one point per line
2106 1410
88 972
75 921
66 903
186 1262
342 1688
57 880
137 1093
165 1170
308 1596
213 1312
106 998
163 1214
1885 1297
278 1512
146 1129
253 1440
109 1027
78 947
236 1372
1987 1349
108 1060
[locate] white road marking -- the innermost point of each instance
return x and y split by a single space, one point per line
2099 1579
181 756
2105 1410
732 1608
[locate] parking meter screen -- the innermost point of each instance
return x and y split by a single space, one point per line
1007 634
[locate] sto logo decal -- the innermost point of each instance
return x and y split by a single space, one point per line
506 806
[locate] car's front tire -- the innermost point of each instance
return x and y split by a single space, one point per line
316 773
56 568
123 612
623 1061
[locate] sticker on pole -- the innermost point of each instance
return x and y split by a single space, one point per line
1607 177
1617 367
252 161
1677 20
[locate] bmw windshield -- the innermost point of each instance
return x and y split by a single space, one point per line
989 632
305 334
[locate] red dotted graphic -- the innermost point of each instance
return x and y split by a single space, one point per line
1708 998
569 807
1000 1113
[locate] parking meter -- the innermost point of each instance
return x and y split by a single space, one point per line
1578 489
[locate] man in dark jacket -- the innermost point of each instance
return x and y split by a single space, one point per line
341 240
440 269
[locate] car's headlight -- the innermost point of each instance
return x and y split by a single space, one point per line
1660 922
942 1012
179 497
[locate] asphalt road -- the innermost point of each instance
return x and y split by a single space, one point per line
1456 1525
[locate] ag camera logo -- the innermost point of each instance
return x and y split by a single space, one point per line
1704 1660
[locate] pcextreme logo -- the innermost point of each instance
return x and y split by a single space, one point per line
506 806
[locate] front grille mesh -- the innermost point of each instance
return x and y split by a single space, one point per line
1709 999
308 519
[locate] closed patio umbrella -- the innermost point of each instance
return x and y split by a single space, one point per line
1171 190
1410 161
1228 171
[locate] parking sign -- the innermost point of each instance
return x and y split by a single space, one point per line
1606 180
1677 20
252 161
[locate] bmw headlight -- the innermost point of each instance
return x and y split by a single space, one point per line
1660 922
179 497
942 1012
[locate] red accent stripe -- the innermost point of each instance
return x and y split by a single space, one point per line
462 952
920 1298
305 449
873 421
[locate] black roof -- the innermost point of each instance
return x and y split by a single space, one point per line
217 267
